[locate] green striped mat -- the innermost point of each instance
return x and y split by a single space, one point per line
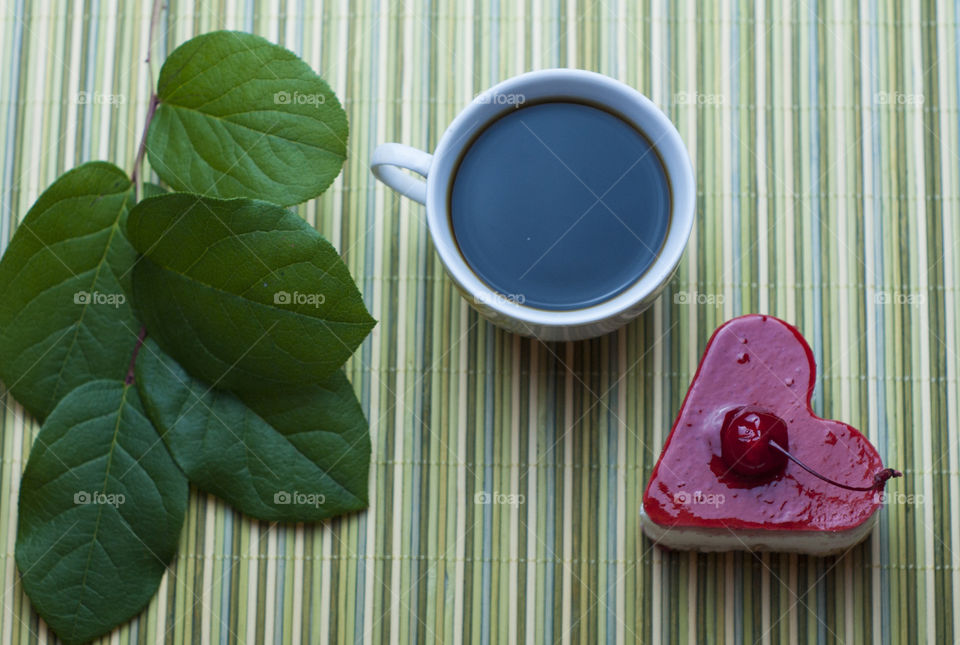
825 141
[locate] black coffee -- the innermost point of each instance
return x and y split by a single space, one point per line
560 205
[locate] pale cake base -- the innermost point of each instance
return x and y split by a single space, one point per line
721 539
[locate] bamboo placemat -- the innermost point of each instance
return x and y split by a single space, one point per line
825 141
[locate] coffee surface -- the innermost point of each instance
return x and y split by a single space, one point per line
560 205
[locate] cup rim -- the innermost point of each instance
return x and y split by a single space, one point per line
590 87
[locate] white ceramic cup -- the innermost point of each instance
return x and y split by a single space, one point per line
536 87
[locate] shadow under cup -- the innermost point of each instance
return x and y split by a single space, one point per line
559 204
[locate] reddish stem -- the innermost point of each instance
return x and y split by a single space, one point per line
131 369
142 149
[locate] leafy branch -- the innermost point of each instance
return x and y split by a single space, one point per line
192 337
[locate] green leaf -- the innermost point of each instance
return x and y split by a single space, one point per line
151 189
244 294
241 117
298 454
101 507
65 305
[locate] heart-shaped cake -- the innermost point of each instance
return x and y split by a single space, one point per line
748 465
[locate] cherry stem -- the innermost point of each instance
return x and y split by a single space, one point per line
879 480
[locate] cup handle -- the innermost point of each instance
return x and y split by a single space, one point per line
389 158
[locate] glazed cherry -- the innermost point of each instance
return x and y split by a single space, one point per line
745 442
753 443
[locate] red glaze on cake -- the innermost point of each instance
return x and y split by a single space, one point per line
760 363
